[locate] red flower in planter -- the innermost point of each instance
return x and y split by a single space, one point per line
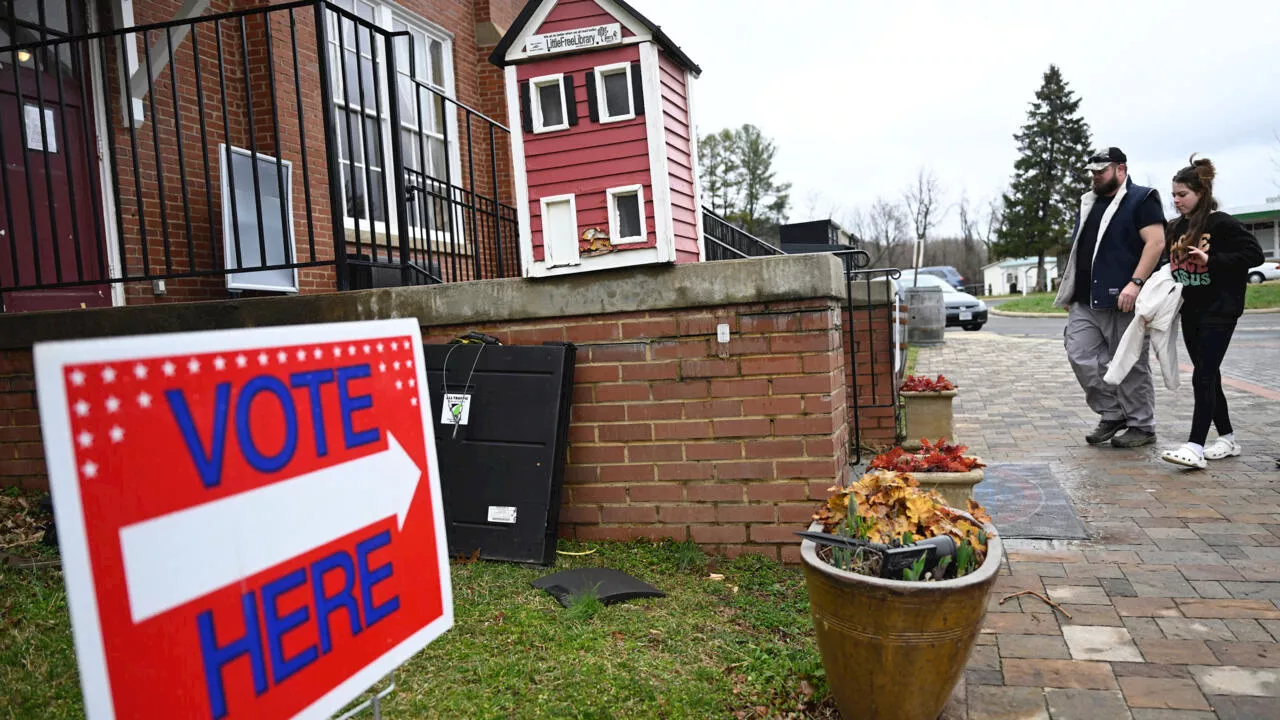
940 457
919 383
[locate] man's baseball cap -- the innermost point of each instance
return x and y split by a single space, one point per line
1103 157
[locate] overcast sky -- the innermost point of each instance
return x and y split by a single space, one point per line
858 95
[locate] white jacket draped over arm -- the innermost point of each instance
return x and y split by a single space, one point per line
1156 312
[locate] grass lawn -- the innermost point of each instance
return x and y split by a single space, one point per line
1256 297
1265 295
1034 302
742 646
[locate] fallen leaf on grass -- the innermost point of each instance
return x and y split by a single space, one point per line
468 559
715 576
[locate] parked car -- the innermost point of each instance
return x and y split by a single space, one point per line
963 310
1266 271
946 272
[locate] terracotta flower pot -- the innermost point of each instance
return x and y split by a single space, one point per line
956 487
894 649
928 415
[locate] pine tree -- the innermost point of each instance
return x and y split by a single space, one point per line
718 154
737 178
764 202
1048 179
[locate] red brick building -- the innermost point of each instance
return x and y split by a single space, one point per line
118 115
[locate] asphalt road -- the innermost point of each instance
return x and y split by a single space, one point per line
1256 327
1253 360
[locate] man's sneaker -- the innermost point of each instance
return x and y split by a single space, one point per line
1105 430
1133 437
1221 448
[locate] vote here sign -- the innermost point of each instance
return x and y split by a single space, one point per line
250 520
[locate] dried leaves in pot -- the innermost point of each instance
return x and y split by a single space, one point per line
888 518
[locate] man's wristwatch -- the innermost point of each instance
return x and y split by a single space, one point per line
1137 281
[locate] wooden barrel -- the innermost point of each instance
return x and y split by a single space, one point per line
926 315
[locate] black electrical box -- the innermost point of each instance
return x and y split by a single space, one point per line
501 419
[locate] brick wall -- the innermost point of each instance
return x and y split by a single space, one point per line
871 335
21 454
675 435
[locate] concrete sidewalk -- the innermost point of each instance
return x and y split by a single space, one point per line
1174 602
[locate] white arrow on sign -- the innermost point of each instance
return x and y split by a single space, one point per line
173 559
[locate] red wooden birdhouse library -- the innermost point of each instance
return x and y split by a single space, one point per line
603 142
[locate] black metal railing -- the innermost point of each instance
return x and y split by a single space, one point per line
872 303
217 154
726 241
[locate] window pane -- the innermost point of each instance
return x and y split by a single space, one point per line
375 196
349 150
409 146
408 108
437 63
354 187
374 139
549 99
628 215
438 157
617 94
426 100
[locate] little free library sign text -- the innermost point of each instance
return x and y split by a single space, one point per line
576 39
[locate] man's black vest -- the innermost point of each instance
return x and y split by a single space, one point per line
1118 249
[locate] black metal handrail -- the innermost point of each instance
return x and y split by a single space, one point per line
726 241
876 396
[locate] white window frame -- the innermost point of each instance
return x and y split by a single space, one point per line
602 102
615 222
385 13
535 103
548 257
248 279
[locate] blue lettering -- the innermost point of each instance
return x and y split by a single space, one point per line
349 405
217 657
369 578
327 604
260 462
281 667
208 464
312 381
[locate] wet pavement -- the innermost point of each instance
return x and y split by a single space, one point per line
1174 600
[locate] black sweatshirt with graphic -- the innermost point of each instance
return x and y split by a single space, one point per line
1213 291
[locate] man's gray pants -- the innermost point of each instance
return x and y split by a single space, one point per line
1091 338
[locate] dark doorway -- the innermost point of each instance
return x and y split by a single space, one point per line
51 228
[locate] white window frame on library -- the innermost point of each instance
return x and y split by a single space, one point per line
535 102
602 102
615 222
385 15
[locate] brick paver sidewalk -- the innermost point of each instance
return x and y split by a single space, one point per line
1174 602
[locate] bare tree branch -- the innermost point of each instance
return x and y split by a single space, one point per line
925 208
993 221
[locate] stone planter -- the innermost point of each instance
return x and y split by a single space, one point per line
956 487
928 415
894 649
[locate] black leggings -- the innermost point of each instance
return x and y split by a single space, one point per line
1206 345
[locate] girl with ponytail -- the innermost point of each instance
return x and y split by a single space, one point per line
1210 254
